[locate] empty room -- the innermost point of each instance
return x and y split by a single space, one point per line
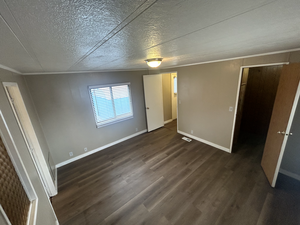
152 112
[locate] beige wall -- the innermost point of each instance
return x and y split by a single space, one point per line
64 107
45 213
206 91
166 81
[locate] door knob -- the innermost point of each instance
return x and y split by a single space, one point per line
147 108
281 132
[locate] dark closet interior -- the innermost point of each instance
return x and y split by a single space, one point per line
257 95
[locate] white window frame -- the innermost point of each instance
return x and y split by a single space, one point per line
114 120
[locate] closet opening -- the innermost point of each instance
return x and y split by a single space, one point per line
258 90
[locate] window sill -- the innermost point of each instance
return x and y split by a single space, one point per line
113 122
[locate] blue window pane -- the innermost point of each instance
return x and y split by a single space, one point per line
122 106
175 85
121 99
103 104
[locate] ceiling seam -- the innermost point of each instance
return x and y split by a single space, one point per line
136 13
34 57
10 69
196 30
172 67
213 24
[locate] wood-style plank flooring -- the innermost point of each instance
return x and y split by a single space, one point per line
159 179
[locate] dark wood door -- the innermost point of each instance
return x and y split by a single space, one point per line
286 92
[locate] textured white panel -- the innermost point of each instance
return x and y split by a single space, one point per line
197 31
12 53
61 32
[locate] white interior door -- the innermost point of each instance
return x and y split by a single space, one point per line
18 106
154 101
291 138
290 164
174 95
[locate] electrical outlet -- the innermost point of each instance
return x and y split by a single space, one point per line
71 153
136 129
230 109
192 131
85 149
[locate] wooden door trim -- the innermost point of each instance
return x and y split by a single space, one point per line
238 94
291 118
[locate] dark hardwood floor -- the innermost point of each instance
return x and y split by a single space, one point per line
159 179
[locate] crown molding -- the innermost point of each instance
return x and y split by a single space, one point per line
10 69
234 58
143 69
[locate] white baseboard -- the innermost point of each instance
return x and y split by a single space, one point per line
168 121
204 141
289 174
99 149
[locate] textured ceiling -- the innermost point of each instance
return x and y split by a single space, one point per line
39 36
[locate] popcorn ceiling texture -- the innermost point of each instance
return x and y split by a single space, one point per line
40 36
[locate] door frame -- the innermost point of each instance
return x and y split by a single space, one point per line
177 100
49 185
172 95
238 94
286 137
18 164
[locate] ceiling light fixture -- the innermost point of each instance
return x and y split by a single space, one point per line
155 62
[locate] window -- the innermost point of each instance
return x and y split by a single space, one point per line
111 103
175 85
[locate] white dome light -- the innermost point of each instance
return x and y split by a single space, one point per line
154 62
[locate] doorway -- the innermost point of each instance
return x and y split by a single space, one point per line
160 92
174 95
258 90
170 96
279 125
44 165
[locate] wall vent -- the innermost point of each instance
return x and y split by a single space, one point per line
187 139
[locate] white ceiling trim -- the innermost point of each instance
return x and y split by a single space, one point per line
240 57
83 71
193 64
10 69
